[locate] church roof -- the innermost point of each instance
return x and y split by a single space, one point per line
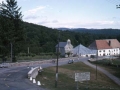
61 44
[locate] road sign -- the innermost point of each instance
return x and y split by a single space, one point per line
76 76
82 76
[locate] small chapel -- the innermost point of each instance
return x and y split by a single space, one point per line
65 48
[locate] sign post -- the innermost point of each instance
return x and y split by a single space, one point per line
76 80
85 76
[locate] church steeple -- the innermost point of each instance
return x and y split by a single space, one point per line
68 41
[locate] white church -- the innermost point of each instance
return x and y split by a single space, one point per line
65 48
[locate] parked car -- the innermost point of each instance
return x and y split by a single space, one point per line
70 61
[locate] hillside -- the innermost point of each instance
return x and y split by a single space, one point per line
41 39
94 31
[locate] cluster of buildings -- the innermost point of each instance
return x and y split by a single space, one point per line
105 47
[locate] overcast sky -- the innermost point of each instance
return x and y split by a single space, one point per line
71 13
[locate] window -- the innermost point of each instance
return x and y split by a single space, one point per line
99 51
103 50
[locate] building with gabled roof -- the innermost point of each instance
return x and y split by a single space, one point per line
106 47
65 48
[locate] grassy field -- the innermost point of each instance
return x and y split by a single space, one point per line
110 65
66 79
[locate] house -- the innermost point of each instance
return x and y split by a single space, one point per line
106 47
65 48
81 50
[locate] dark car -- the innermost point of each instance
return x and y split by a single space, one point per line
70 61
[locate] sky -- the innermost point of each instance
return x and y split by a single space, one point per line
71 13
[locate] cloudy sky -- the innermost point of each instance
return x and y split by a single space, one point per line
71 13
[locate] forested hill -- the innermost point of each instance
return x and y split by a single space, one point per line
94 31
43 39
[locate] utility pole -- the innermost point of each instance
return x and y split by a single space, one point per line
79 52
56 80
11 51
96 64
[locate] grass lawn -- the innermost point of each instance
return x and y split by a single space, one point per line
110 65
66 79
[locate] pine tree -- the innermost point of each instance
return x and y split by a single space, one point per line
10 11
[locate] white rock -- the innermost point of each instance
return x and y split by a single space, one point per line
38 83
30 78
34 81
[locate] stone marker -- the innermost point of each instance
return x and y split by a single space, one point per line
30 78
38 83
34 81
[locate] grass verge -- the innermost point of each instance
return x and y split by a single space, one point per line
66 79
112 66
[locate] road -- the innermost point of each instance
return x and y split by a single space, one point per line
15 78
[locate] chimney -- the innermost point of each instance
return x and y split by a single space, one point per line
109 43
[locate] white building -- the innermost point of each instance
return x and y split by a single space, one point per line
106 47
65 48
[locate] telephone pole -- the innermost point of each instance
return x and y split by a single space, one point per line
56 80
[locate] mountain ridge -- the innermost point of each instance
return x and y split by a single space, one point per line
108 31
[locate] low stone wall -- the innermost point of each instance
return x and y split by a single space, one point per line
33 72
29 63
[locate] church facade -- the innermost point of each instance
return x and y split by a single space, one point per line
65 48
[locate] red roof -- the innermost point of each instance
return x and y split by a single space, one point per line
102 44
114 43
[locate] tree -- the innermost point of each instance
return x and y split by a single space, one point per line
9 10
5 35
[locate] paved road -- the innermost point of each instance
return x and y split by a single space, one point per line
15 78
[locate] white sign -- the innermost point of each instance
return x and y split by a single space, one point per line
82 76
76 76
